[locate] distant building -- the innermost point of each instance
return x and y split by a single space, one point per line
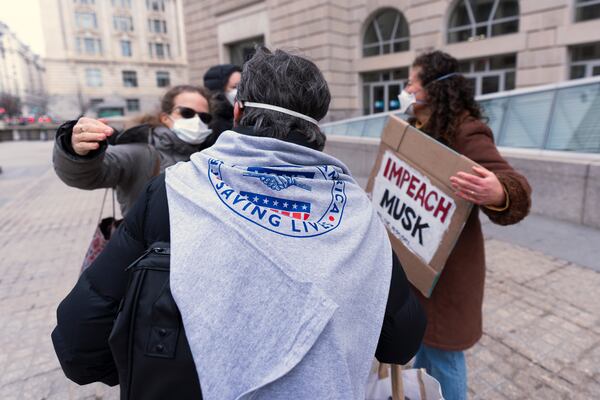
365 47
112 57
21 73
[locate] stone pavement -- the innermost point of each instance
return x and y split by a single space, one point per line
541 313
561 239
541 328
44 233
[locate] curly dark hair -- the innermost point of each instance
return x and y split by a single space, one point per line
448 99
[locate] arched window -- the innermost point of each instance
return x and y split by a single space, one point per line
387 33
480 19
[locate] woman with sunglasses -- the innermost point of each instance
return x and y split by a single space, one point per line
83 158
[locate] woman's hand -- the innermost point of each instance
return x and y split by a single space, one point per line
87 135
482 188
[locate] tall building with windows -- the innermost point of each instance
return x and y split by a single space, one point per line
365 47
112 57
21 74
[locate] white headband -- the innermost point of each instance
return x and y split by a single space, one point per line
279 109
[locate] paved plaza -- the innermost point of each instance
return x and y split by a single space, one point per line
541 312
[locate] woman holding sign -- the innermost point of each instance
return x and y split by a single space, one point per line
441 103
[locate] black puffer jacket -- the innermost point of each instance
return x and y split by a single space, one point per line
85 317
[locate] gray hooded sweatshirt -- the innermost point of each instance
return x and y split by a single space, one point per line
280 268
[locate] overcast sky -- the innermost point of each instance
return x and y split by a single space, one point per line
24 18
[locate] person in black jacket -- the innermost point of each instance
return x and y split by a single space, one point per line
222 81
85 317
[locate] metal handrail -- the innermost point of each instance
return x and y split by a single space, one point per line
361 118
541 88
491 96
508 95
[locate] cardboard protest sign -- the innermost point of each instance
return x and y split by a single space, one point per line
410 189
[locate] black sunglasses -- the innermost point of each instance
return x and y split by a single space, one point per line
187 113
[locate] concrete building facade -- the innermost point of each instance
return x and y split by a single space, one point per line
21 73
112 57
364 48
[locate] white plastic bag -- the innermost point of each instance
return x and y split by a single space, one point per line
415 384
379 385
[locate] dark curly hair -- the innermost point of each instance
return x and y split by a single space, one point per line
448 99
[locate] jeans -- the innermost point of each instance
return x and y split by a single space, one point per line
448 367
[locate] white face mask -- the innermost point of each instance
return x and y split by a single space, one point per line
191 130
231 95
407 102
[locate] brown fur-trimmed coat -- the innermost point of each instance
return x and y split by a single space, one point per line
454 311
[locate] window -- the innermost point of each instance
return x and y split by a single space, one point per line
492 74
585 61
381 90
95 103
85 1
586 10
133 105
159 50
121 3
480 19
155 5
123 24
241 52
88 46
130 79
106 112
93 77
157 26
163 79
86 20
126 48
387 33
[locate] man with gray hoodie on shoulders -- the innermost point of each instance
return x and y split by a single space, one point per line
281 269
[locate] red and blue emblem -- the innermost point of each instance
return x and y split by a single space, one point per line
273 209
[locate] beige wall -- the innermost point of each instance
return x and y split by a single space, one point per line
317 28
330 33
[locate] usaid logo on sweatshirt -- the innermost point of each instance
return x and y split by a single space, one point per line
290 201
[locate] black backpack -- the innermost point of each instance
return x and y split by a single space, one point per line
148 342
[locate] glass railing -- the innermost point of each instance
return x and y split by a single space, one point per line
367 126
564 116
